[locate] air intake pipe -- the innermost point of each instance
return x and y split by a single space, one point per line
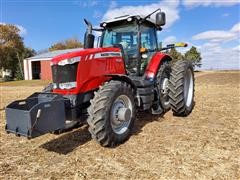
88 37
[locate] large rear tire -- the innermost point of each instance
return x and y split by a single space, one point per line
112 113
181 88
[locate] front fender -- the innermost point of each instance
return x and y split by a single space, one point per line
155 63
122 77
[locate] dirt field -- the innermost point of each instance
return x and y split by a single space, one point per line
205 145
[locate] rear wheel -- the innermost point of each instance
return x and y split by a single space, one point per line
181 88
112 113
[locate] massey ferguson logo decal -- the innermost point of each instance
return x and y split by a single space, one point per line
110 54
107 54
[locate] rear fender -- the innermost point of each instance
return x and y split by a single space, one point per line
154 64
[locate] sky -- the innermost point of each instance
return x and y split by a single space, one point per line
213 26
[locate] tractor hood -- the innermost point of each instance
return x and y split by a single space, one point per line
84 70
85 54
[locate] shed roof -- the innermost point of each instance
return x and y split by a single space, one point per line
50 55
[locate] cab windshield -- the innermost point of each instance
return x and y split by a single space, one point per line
127 37
124 35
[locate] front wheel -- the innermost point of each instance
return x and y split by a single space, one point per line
112 113
181 88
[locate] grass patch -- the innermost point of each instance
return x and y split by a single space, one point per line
26 83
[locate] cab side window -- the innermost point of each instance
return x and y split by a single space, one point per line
148 39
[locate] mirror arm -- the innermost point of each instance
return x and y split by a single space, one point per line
149 15
166 48
98 29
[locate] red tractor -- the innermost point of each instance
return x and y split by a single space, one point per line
107 85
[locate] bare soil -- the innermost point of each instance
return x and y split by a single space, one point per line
204 145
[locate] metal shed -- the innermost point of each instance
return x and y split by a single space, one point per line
38 67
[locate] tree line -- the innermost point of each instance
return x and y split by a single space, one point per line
13 50
191 55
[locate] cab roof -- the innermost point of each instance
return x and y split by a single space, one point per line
125 18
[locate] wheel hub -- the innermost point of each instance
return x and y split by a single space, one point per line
124 114
121 114
164 92
165 86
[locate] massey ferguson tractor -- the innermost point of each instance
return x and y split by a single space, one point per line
108 85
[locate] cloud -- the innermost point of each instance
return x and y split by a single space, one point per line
236 28
85 4
169 40
113 4
215 36
214 56
97 14
216 3
170 7
219 35
225 15
22 32
236 48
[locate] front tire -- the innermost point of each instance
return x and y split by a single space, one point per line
181 88
112 113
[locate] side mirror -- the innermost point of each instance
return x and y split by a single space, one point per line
88 40
160 19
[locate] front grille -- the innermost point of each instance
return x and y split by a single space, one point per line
64 75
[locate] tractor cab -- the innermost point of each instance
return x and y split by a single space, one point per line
136 36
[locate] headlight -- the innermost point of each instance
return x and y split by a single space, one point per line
68 85
69 61
54 86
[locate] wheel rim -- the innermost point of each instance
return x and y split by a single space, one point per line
188 88
164 90
121 114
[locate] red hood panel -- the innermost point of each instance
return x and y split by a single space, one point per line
82 53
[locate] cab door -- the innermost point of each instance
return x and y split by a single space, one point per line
148 45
